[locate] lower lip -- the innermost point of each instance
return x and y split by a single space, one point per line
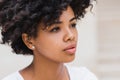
71 51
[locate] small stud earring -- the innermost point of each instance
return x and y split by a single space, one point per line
33 47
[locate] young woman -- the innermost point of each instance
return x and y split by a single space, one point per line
47 30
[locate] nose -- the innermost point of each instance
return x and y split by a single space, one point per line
69 35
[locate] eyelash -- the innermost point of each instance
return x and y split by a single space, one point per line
55 29
73 25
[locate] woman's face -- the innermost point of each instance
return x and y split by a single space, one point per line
58 42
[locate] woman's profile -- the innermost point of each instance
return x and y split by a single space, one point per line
47 30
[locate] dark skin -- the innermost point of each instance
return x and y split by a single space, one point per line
48 49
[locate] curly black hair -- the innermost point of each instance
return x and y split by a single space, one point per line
23 16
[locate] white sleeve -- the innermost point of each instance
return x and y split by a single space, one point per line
88 75
81 73
13 76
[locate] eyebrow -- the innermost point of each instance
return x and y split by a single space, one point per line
59 22
74 18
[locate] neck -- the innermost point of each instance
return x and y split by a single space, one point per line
47 69
44 69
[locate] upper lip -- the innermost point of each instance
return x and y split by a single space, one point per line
70 47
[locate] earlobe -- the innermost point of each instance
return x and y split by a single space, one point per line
28 41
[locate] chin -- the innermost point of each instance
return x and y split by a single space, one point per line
69 60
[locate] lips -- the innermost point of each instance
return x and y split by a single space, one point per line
70 49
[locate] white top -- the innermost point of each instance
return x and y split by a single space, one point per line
75 73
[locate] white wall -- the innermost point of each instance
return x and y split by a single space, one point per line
10 62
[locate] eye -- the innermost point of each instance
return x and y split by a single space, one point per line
55 29
73 25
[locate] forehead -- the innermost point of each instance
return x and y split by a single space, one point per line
67 14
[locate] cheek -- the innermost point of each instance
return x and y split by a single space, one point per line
48 45
49 49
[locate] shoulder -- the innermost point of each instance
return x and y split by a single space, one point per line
80 73
13 76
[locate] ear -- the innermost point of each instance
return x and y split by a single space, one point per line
28 41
